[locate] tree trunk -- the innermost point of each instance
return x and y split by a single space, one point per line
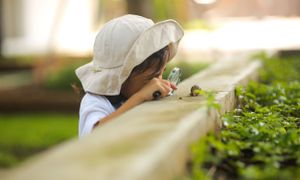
140 7
1 28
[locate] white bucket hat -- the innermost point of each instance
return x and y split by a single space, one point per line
122 44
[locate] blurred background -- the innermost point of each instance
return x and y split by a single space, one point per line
43 41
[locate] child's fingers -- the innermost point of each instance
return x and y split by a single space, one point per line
165 89
165 82
172 85
163 86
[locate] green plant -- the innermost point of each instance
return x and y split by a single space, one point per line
199 148
260 139
211 100
278 69
209 96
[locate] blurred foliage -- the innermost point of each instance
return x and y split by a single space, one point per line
62 78
170 9
261 138
187 68
199 148
177 9
157 10
20 60
61 75
25 134
199 24
279 69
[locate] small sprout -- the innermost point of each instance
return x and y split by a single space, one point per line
254 131
261 124
238 111
282 98
195 91
225 123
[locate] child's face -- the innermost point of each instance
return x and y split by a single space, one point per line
136 81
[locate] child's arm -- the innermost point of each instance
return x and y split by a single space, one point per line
145 94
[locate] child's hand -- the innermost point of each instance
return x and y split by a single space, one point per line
156 84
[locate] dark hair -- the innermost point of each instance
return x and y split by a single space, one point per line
156 59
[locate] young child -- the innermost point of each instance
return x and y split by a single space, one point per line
130 55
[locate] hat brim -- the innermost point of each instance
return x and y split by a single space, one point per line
99 81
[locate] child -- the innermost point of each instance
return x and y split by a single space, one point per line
130 55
